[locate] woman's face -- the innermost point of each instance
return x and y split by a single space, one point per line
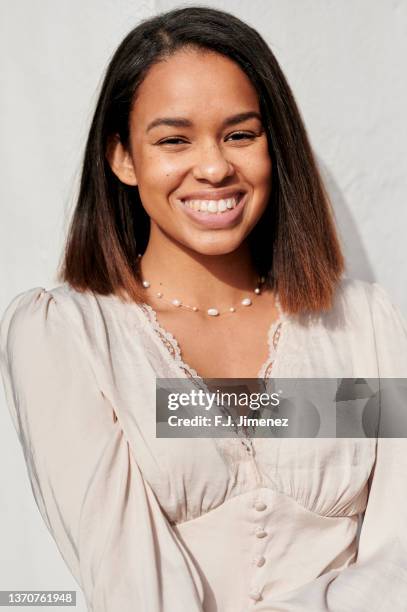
198 152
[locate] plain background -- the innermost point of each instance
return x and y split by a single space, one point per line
344 62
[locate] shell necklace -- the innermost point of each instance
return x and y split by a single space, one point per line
211 312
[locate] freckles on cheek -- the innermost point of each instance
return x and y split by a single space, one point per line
170 173
163 165
154 170
161 177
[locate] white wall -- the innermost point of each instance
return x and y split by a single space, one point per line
52 55
344 61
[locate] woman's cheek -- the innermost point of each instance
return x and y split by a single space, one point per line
163 171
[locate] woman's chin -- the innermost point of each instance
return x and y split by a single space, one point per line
214 246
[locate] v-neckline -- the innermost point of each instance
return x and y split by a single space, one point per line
235 442
173 349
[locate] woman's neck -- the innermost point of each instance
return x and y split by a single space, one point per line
196 278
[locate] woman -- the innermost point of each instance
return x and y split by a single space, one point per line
197 160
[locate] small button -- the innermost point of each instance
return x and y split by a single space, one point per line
260 533
260 506
259 561
256 595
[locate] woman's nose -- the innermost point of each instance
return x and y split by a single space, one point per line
212 165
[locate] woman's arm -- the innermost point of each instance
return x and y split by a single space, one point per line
378 579
104 517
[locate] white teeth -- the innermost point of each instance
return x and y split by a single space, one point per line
212 206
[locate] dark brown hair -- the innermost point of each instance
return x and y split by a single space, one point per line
294 243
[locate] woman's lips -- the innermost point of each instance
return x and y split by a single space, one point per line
218 220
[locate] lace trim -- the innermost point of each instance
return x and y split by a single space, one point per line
273 340
274 335
240 446
171 343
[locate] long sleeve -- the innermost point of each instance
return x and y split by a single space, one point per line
377 581
103 515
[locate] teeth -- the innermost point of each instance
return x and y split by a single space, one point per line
212 206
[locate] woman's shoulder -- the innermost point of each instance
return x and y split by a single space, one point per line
357 301
371 321
355 292
54 317
63 319
360 310
32 318
38 306
43 331
62 304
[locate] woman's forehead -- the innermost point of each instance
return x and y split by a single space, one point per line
194 84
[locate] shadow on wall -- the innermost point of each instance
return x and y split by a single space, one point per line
357 260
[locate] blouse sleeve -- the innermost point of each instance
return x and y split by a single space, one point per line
377 581
102 514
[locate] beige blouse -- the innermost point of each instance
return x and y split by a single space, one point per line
152 524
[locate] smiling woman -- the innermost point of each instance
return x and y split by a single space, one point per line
207 167
190 112
203 246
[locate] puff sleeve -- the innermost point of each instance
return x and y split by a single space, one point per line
102 514
377 581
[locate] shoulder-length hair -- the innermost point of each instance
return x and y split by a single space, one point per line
295 242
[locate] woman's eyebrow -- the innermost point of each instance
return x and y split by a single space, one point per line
182 122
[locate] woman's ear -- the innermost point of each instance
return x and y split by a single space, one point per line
120 161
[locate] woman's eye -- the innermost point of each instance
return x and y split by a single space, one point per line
172 141
242 136
236 136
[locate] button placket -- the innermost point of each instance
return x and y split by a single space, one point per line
260 506
259 561
260 532
255 595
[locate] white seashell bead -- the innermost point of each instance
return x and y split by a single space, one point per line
213 312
